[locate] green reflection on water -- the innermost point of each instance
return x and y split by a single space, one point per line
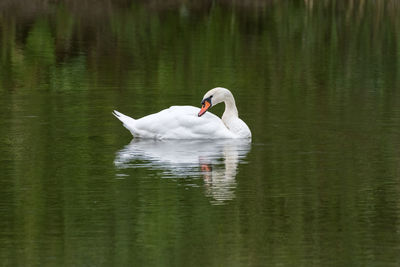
316 81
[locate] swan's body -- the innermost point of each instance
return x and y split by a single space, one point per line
182 122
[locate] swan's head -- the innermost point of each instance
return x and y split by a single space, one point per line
213 97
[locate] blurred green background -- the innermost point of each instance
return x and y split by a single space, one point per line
316 81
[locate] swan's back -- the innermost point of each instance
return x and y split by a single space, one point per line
178 122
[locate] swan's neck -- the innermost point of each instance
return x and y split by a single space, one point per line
230 109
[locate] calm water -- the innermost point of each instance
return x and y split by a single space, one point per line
318 83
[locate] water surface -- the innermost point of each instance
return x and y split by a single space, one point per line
316 81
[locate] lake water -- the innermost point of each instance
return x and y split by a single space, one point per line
318 83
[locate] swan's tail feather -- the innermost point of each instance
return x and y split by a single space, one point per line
122 117
117 114
128 122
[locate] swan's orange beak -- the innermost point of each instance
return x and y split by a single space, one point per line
205 106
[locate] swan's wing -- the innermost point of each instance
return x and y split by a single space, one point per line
182 122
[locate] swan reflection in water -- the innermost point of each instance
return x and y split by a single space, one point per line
216 161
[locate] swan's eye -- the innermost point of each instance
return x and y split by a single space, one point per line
208 99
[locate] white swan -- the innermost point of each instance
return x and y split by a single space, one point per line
187 122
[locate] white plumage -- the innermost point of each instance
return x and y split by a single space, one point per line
185 122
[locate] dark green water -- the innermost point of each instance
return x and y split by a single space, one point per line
318 83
